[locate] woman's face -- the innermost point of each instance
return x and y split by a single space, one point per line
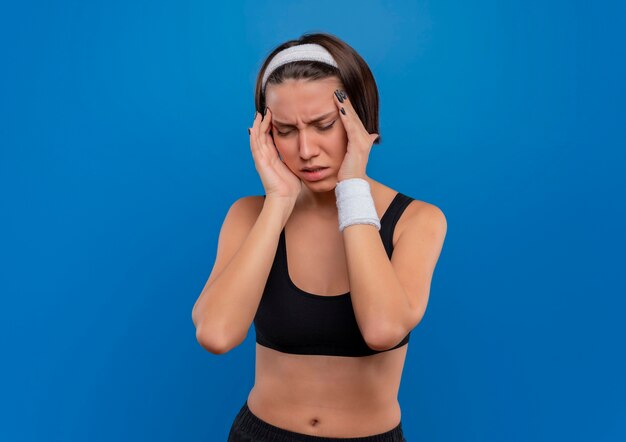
300 139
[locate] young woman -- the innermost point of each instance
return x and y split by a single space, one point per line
333 267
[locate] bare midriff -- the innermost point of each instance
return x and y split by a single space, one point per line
328 396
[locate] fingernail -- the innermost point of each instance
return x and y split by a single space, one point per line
338 95
343 94
343 111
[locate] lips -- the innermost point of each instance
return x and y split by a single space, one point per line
315 175
312 169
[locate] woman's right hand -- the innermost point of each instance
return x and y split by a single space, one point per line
278 180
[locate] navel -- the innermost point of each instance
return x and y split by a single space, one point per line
314 421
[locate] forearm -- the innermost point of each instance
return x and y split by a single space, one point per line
226 308
380 304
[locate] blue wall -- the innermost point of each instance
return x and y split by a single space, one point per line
123 143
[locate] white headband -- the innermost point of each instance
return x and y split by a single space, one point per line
307 51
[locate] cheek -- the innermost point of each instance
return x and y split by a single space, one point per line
280 151
285 151
341 139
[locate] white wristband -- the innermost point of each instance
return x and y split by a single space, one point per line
355 204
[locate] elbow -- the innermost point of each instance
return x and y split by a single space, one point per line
194 319
195 314
384 338
214 343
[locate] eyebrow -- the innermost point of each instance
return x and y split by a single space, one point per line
314 120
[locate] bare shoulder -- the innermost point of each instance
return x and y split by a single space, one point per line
238 222
253 203
246 210
236 226
421 214
418 208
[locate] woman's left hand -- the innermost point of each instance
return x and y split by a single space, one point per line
359 140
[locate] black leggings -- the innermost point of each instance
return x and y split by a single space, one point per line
249 428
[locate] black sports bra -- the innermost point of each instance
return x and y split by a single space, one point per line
291 320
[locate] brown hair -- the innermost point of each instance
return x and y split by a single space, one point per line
354 74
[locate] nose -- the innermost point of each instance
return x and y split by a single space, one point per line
306 145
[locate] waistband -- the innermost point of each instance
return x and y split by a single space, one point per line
265 431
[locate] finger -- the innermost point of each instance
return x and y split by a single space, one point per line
255 140
346 112
269 139
350 119
266 121
266 145
259 134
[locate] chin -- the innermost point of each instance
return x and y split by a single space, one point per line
327 185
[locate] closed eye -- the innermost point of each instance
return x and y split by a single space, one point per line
325 128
